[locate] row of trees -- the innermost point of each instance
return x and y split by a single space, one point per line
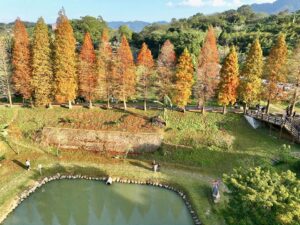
44 75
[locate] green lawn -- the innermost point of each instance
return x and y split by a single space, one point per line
197 149
217 143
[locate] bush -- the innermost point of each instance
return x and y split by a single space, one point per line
284 153
261 196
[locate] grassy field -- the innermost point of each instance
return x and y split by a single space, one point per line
197 150
217 143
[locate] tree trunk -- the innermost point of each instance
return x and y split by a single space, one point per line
268 107
108 103
125 105
224 109
199 104
203 107
245 108
7 82
165 113
145 105
31 103
184 110
294 100
9 97
90 104
50 105
70 104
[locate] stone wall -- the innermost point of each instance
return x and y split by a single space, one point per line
102 141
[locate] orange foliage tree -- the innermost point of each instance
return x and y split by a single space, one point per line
21 61
251 76
87 75
166 66
42 71
126 77
144 70
184 80
208 70
294 77
275 71
65 61
106 69
229 80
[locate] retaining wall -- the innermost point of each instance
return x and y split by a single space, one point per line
102 141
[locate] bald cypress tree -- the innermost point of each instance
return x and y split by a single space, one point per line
42 75
87 75
276 71
184 79
21 61
5 69
65 62
294 76
208 70
144 70
229 80
166 67
251 76
105 69
126 77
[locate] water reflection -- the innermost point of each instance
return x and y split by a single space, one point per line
88 202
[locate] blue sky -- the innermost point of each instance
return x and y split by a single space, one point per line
113 10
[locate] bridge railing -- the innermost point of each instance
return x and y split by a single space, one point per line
282 121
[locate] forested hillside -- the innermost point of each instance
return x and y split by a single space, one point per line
277 6
234 27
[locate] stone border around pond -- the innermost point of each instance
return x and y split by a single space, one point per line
58 176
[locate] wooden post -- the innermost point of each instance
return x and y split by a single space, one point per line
280 135
293 139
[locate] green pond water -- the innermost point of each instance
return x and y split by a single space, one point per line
80 202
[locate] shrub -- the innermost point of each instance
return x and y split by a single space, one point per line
261 196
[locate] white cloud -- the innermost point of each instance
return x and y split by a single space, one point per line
191 3
170 4
219 3
264 1
213 3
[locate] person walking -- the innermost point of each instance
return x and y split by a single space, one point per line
27 164
215 191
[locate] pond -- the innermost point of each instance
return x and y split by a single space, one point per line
81 202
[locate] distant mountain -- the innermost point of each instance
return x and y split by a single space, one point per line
136 26
277 6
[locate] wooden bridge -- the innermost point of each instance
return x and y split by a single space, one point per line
281 121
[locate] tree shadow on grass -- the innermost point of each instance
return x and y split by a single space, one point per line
20 164
118 109
141 165
6 141
70 170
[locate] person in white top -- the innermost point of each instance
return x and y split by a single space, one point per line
27 163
